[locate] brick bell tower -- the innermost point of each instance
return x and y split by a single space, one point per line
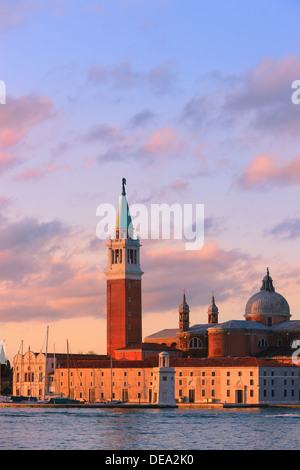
124 278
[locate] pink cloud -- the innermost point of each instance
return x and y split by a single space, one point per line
271 74
266 170
164 140
19 115
41 276
6 161
37 173
14 13
170 270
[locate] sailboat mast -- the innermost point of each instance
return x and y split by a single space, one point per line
30 387
111 379
68 366
54 366
21 378
111 364
45 383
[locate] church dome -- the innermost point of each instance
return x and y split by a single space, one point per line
267 304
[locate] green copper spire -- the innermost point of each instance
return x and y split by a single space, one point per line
124 227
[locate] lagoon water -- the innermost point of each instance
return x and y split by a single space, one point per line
149 429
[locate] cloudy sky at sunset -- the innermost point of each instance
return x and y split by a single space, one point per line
191 103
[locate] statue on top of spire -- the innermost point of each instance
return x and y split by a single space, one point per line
123 186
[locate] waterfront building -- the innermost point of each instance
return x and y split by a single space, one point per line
247 381
30 377
34 373
235 362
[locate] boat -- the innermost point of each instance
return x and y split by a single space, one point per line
22 399
114 402
63 401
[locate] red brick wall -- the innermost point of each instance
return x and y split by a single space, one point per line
123 296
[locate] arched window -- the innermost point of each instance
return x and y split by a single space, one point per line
262 343
195 343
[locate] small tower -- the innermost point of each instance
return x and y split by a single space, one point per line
213 312
164 382
184 315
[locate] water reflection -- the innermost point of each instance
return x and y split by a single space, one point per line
119 429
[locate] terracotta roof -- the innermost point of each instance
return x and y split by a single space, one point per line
80 356
225 362
152 361
148 347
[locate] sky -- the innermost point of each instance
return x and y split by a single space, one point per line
191 103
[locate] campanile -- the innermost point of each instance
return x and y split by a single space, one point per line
124 278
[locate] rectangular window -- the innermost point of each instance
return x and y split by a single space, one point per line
130 256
